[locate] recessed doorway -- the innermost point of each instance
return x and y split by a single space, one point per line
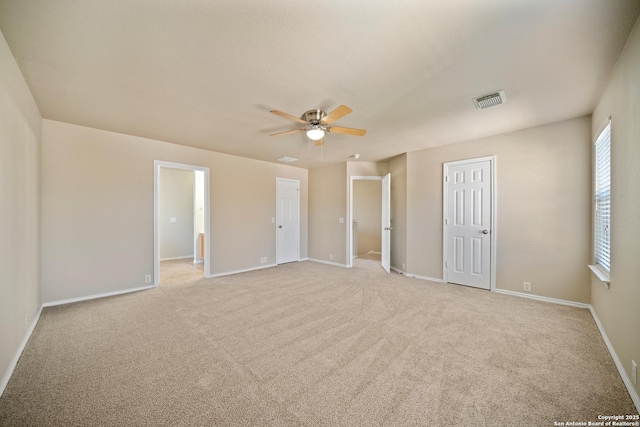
370 220
181 223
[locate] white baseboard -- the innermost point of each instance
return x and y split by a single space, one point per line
198 261
176 257
623 373
303 259
246 270
14 362
321 261
417 276
95 296
541 298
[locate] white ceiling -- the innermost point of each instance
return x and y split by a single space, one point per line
206 73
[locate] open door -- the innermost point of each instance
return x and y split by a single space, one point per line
385 230
386 223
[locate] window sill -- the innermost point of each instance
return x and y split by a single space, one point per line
601 275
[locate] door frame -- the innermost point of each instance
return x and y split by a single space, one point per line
157 164
296 181
350 217
445 204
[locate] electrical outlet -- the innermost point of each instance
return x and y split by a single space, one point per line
634 372
147 278
330 257
263 260
526 286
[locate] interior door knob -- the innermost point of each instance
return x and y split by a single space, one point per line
279 226
485 231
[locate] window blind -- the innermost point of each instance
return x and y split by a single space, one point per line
602 196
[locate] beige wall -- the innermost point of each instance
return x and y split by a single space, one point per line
177 194
543 207
367 168
97 209
20 136
367 210
398 170
617 307
328 203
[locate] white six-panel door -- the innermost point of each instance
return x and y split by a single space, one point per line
287 220
386 223
468 194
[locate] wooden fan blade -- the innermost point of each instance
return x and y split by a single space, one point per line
347 131
288 116
319 142
286 132
339 112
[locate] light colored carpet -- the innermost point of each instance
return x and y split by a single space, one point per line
311 344
177 271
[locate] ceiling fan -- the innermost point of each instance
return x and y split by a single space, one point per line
316 124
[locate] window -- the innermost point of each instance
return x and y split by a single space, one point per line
602 201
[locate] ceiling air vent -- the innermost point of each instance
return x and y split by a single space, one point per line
489 100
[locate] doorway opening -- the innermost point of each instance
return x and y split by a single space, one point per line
181 223
369 221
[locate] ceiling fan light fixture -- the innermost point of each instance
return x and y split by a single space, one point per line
315 134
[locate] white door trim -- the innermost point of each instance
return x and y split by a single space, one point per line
296 181
157 164
350 214
494 231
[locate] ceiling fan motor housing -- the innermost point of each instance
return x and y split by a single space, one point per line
313 117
